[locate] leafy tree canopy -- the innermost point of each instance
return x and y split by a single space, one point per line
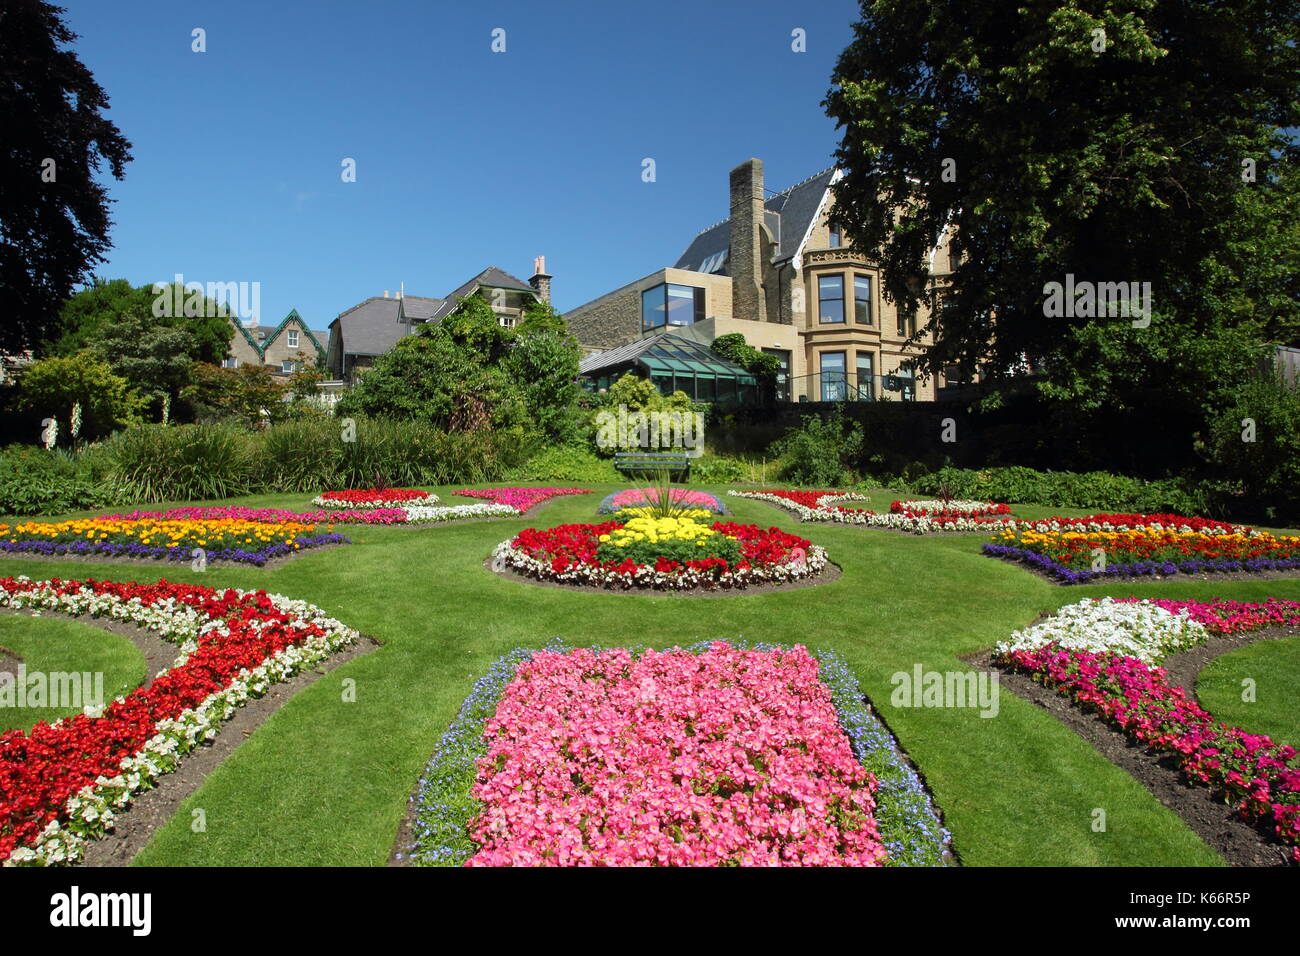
1119 141
54 217
105 303
51 386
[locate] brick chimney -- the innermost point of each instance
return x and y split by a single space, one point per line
747 244
541 281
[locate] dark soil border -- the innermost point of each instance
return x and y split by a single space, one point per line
832 573
149 810
1238 841
1141 578
222 563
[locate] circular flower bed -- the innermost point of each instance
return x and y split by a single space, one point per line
374 498
644 497
661 554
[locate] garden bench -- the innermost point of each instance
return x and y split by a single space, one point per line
653 461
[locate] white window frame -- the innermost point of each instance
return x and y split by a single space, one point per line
293 338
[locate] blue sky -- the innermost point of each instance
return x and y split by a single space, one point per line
465 158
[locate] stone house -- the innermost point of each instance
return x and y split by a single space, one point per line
289 346
779 272
371 328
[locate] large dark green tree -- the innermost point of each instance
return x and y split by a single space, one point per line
86 316
1115 140
54 217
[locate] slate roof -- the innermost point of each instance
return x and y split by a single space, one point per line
492 278
418 308
795 209
372 327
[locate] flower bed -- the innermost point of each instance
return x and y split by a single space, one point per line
521 499
953 508
1159 547
221 539
1103 659
374 498
61 783
724 756
661 553
410 514
830 506
643 497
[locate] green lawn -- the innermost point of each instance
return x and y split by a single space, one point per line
1274 667
326 782
50 645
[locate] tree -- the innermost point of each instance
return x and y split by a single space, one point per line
239 394
736 350
54 217
104 303
1135 141
544 363
540 316
51 386
155 359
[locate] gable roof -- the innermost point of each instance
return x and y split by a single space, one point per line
418 308
293 316
790 214
489 278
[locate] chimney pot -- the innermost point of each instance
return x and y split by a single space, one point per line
385 293
541 282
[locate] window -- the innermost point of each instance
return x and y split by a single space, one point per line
287 366
292 336
830 298
862 299
835 379
782 376
671 304
837 237
230 362
506 321
907 322
906 380
866 377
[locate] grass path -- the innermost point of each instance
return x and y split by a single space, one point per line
325 781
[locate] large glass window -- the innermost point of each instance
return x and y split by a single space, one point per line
671 304
862 299
835 377
830 298
866 377
782 376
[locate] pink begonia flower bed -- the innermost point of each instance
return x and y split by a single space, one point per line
351 516
672 758
520 499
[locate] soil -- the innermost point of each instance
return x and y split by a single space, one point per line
831 573
1240 842
270 565
151 809
1142 578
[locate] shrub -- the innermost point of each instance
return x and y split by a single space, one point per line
1256 444
183 463
565 463
719 470
818 452
298 456
52 386
34 481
